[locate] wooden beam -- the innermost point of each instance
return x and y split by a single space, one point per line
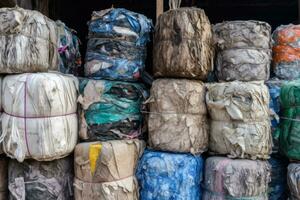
160 7
299 11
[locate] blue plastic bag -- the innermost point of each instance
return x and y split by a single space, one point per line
170 176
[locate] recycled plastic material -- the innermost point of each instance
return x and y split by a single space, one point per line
286 52
165 176
243 50
3 178
68 48
39 119
240 124
34 180
177 119
111 109
237 179
183 45
106 170
28 41
116 49
290 122
293 179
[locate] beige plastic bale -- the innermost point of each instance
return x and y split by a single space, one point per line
240 125
183 44
236 179
3 178
102 172
39 119
177 120
243 50
28 41
293 179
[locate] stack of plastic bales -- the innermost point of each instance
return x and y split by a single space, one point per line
172 167
240 125
111 118
39 119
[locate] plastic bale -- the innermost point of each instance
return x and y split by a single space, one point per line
39 119
293 179
36 180
164 176
116 49
243 50
237 179
111 110
186 32
286 52
177 119
102 172
240 124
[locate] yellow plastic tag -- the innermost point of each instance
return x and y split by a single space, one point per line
94 153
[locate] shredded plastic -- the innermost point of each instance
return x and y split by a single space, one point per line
293 179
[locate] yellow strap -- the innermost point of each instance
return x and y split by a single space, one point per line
94 153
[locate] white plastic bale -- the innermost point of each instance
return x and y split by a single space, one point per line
39 119
293 179
28 41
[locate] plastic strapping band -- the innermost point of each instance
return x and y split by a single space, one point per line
169 113
25 113
39 117
291 119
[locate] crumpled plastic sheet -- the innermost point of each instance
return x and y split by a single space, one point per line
36 180
235 179
39 119
28 41
102 172
286 52
290 120
116 49
111 109
278 185
293 179
186 32
274 86
165 176
243 50
3 178
68 48
240 124
178 116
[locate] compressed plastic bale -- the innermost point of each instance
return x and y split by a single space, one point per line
286 54
186 32
68 48
177 119
164 176
116 49
39 119
240 124
41 180
102 172
293 179
278 184
289 121
3 178
235 179
243 50
111 109
28 41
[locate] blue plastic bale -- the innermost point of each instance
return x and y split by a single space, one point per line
169 176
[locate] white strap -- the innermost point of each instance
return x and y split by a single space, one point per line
174 4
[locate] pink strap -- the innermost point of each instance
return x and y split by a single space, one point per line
219 175
25 112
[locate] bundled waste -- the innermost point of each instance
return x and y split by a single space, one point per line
243 50
167 176
28 41
177 120
240 124
286 54
186 32
278 184
274 86
111 109
68 48
106 170
116 49
293 179
236 179
39 119
289 122
41 180
3 178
